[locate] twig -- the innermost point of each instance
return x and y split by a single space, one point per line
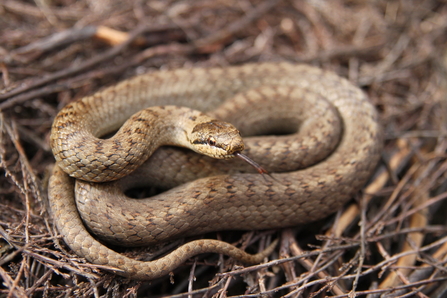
225 33
310 266
149 53
72 70
56 40
362 252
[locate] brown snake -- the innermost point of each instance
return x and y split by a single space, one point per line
238 200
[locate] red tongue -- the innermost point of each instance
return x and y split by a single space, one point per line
247 159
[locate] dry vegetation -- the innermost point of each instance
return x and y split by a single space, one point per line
390 241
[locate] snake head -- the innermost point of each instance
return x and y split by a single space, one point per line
217 139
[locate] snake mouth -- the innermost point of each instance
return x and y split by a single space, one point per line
251 162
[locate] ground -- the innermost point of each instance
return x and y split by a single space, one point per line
389 240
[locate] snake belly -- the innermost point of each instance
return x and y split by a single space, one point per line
226 201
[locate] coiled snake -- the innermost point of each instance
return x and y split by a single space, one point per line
316 164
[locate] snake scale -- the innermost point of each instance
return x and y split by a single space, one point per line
315 165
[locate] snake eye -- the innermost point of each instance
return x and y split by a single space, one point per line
211 141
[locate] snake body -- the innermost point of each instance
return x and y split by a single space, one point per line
238 200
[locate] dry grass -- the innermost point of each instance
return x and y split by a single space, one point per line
390 241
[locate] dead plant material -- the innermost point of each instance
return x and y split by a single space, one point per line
390 241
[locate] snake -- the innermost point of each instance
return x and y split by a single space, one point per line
317 135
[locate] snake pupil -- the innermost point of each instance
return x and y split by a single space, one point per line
211 141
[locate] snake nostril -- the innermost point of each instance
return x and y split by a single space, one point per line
236 147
